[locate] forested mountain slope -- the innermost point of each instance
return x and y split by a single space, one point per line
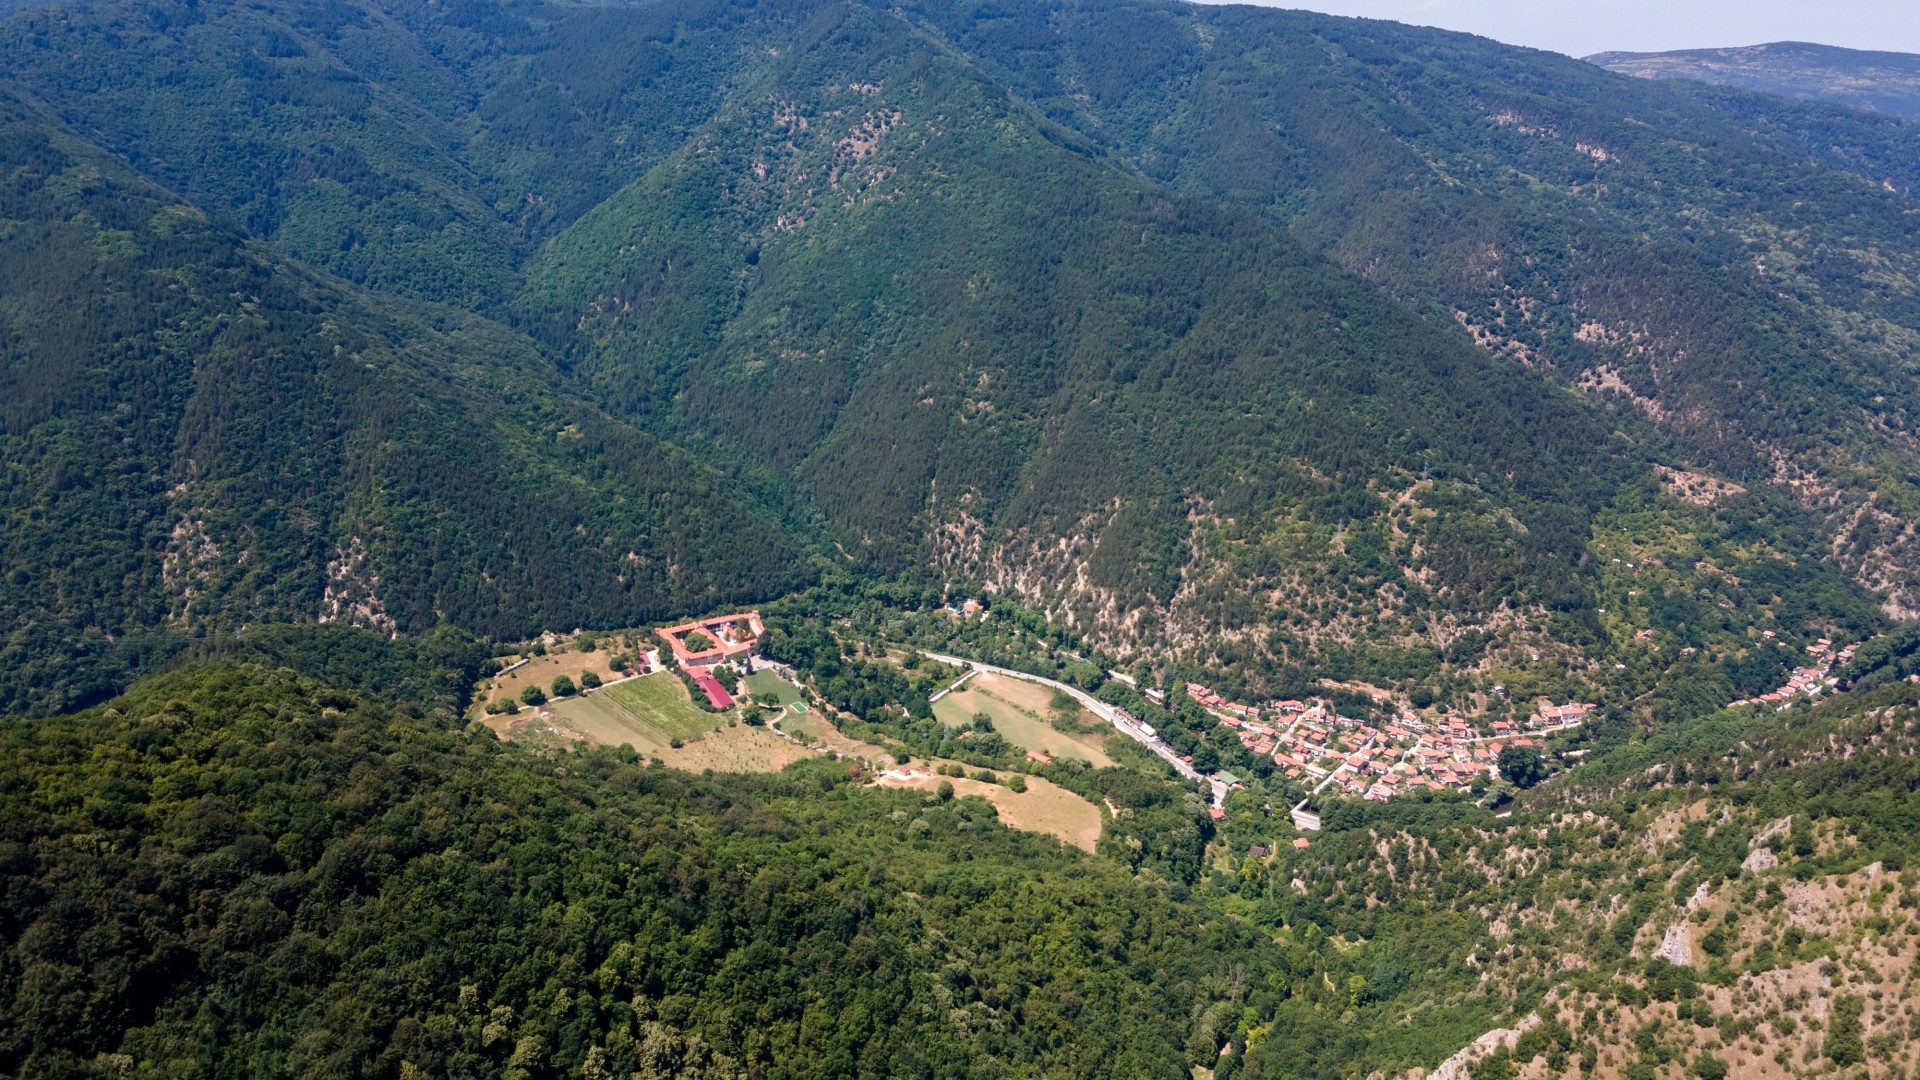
1887 82
411 148
977 347
199 434
1736 266
1032 297
291 878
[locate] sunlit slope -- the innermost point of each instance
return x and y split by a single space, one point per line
1738 267
965 333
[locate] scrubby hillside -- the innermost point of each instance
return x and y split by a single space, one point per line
1731 897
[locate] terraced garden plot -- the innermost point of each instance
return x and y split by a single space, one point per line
661 701
1018 710
738 749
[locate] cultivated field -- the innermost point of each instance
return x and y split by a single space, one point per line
661 700
598 718
1042 808
1019 711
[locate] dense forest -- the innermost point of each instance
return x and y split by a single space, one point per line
200 435
1282 344
292 878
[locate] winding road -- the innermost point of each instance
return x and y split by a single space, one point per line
1102 710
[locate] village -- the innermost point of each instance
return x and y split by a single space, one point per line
1308 742
1810 681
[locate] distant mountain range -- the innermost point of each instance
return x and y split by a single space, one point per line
1887 82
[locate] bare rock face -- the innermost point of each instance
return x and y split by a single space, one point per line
1677 947
1459 1066
1759 859
1773 829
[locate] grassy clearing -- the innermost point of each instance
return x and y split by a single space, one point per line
540 671
809 727
738 749
661 701
1019 711
766 682
1042 808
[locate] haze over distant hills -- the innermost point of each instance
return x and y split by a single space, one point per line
1887 82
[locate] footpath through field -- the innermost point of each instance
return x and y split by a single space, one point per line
1102 710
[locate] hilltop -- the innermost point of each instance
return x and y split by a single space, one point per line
1887 82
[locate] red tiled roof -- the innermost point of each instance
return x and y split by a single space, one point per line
716 694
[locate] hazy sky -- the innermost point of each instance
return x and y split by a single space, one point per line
1581 27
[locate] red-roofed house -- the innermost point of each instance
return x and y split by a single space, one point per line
716 693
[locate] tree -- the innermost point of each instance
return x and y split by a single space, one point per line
563 686
1205 758
1522 766
589 680
697 642
533 695
1844 1032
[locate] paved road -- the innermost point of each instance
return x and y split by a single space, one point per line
1102 710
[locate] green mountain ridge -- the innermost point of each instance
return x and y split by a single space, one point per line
943 309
